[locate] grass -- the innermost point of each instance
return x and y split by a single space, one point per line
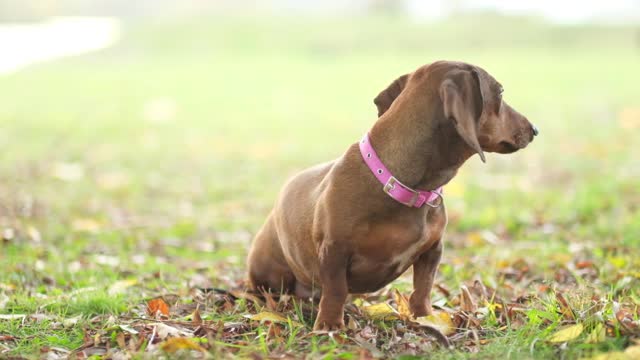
143 171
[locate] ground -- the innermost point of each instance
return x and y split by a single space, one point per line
133 179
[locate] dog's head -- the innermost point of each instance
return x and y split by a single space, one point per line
471 100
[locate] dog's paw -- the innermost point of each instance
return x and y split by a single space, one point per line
327 325
420 308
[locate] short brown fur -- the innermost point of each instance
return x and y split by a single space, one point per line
334 230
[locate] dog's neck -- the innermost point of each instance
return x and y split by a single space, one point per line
421 148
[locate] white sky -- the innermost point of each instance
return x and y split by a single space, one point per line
566 10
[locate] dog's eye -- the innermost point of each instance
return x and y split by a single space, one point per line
501 90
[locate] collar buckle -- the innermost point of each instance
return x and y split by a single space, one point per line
436 202
391 185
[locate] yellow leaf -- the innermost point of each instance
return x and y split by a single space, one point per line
597 335
439 320
352 324
633 352
120 286
179 343
403 305
566 334
381 311
474 239
618 261
86 225
270 316
614 355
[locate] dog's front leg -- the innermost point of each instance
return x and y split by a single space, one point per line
424 271
333 279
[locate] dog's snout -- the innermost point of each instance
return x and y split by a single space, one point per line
535 130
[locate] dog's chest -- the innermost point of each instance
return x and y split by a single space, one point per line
403 257
387 251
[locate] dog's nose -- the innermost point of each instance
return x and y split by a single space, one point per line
535 130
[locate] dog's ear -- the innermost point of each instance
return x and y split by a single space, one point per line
461 97
384 100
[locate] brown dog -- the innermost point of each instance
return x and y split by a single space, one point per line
334 229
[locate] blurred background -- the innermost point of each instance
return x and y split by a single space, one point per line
156 133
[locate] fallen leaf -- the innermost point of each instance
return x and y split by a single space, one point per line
120 286
164 331
566 310
597 335
196 319
128 329
8 234
352 324
271 304
156 306
381 311
70 322
274 331
86 225
120 339
402 302
12 316
633 352
4 299
584 264
439 320
566 334
176 344
466 302
270 316
34 234
613 355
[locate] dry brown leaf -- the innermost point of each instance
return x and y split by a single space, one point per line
274 331
120 339
565 309
352 324
625 319
156 306
196 319
466 301
271 304
245 295
175 344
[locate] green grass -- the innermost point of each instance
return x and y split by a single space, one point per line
96 192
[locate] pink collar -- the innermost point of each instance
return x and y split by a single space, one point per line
392 186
